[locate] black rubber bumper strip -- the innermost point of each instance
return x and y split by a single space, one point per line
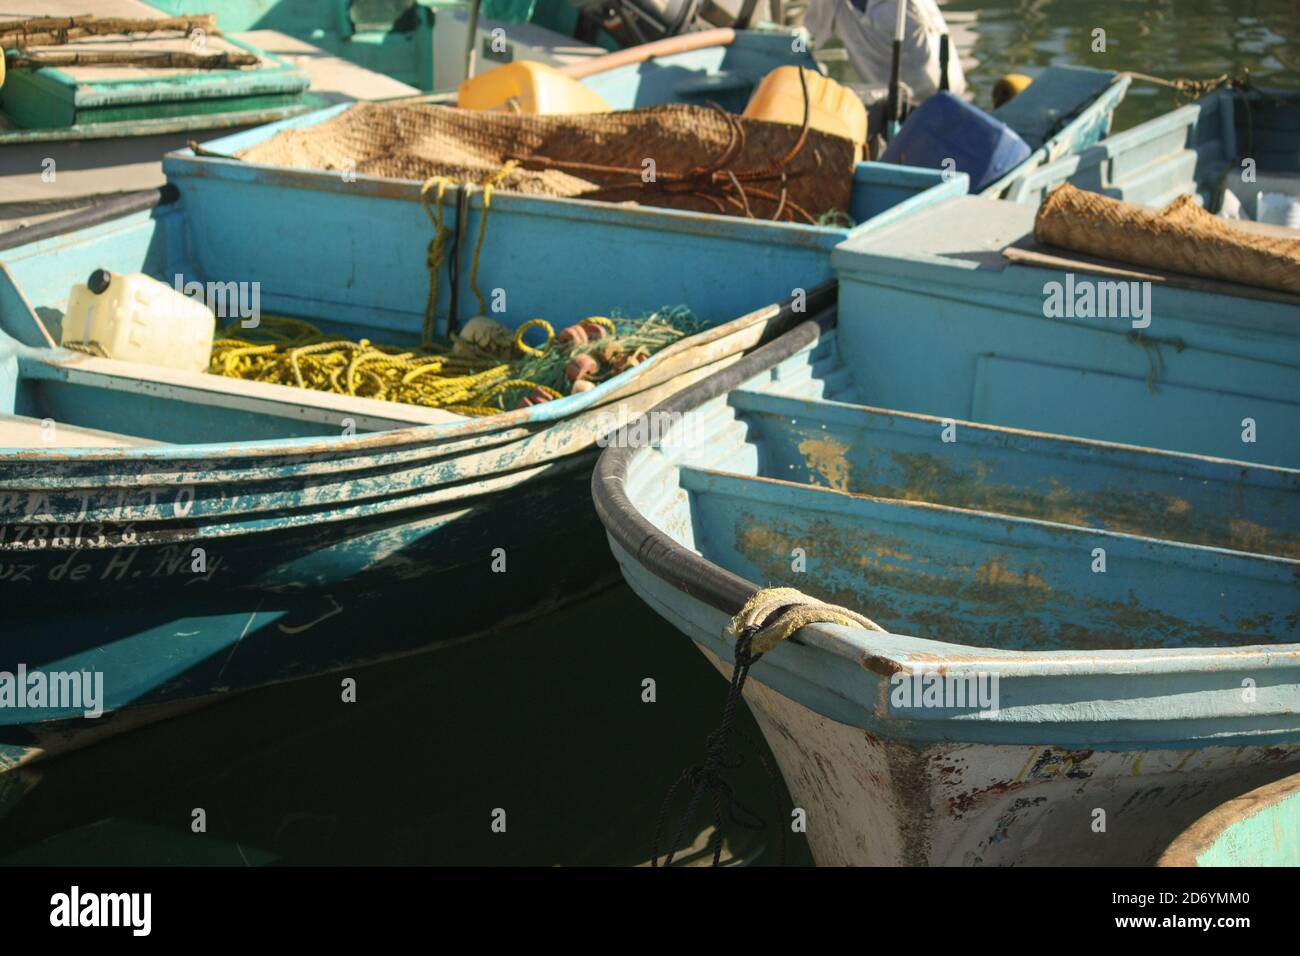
104 210
661 555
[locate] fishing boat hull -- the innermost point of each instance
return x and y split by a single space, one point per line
1123 699
172 641
185 578
248 510
874 802
1240 141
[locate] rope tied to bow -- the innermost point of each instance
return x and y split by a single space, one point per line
770 616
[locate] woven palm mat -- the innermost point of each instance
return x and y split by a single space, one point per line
704 159
1182 237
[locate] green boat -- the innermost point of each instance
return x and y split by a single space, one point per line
1260 828
94 100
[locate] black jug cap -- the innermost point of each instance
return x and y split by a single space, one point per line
99 280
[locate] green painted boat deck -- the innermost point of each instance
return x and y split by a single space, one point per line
83 97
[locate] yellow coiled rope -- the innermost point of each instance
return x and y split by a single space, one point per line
462 378
301 356
465 378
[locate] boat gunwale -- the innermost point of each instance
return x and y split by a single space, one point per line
701 579
395 482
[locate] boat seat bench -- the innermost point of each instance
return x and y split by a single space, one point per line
23 431
984 579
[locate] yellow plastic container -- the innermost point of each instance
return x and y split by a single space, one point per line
528 87
135 318
1009 87
833 108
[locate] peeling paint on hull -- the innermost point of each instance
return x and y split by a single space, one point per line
873 802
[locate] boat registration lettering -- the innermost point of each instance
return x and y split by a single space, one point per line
35 537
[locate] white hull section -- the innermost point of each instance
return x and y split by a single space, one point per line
876 802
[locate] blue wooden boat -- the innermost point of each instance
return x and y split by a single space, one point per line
1071 112
1239 141
1260 828
1064 111
1198 361
300 524
1085 578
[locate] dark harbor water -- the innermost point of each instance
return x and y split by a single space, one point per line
545 721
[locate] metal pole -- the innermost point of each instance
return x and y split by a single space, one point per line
895 106
944 53
471 38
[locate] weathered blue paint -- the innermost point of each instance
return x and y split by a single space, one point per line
600 254
1153 685
957 330
387 231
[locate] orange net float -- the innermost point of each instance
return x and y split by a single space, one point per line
589 330
581 367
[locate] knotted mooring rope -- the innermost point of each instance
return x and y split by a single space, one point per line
432 194
769 617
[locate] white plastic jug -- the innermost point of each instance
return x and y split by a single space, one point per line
138 319
1278 209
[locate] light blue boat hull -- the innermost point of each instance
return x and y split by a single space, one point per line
1133 614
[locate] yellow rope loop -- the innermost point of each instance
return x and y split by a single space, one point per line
296 355
488 186
527 349
436 253
301 355
602 321
497 389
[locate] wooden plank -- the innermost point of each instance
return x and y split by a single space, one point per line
22 431
1028 252
262 397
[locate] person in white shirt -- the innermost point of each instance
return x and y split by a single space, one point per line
866 27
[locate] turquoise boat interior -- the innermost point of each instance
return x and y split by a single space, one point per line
939 320
811 475
1259 828
373 283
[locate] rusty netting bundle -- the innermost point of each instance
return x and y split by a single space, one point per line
682 157
1182 237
